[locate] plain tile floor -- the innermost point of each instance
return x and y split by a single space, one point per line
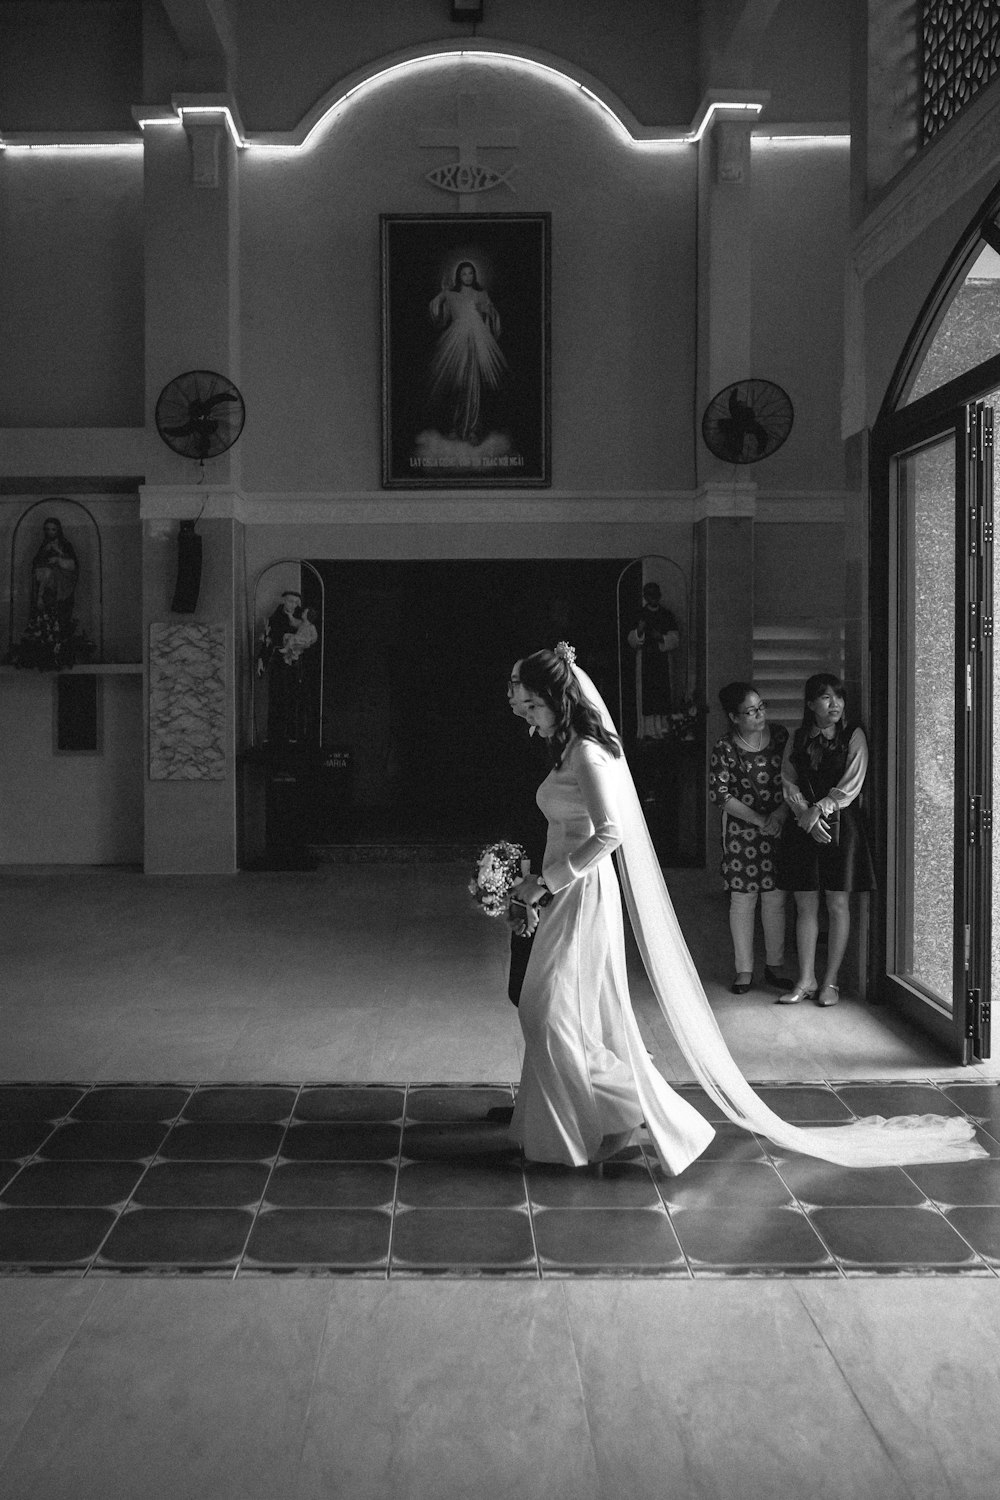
547 1382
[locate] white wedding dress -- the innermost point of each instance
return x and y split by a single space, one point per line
586 1073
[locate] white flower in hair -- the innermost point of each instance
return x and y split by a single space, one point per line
566 652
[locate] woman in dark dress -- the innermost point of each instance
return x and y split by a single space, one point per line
826 847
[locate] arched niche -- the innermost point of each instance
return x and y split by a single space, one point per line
301 577
675 594
661 736
80 529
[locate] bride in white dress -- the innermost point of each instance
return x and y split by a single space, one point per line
578 1099
587 1082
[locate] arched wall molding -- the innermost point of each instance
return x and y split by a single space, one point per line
967 155
937 302
717 103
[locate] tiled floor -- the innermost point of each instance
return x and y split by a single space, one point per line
400 1382
417 1180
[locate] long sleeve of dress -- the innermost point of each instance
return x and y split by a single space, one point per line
843 794
807 817
596 774
849 786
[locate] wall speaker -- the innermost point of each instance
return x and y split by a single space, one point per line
188 570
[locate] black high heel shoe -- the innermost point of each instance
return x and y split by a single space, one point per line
773 977
739 986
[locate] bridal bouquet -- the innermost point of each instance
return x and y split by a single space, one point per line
497 868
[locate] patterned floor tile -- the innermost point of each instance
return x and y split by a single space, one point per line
334 1142
596 1240
78 1184
896 1099
331 1237
749 1238
52 1236
192 1237
732 1143
469 1183
804 1104
217 1141
981 1228
982 1100
331 1184
454 1102
875 1238
237 1104
712 1184
621 1185
22 1137
29 1101
342 1102
202 1184
462 1239
960 1182
104 1140
821 1183
453 1141
131 1102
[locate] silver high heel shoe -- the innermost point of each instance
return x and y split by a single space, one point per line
800 992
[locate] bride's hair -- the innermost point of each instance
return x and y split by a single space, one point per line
551 678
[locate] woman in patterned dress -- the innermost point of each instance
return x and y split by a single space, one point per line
745 783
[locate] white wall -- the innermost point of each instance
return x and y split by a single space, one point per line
69 809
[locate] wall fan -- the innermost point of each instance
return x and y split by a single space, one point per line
747 421
199 414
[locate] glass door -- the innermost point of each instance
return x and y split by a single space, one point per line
938 718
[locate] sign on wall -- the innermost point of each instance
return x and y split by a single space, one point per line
465 351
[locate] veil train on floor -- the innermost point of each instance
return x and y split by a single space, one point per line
677 986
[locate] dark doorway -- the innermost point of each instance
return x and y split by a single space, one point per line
417 659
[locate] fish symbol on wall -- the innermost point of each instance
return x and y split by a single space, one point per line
463 177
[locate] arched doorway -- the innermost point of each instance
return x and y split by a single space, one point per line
933 679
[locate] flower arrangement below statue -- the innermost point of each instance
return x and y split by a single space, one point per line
678 727
684 721
47 647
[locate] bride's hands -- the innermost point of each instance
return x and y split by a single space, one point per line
522 919
528 890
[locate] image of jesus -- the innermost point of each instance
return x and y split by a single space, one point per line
467 360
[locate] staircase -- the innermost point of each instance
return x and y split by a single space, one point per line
785 655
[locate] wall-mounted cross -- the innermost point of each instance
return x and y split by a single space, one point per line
468 172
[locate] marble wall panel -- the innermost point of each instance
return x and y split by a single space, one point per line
187 702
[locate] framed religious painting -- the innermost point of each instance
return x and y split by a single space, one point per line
465 351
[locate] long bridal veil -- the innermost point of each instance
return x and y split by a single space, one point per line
872 1142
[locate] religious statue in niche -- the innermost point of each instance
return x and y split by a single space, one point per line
654 638
289 637
52 639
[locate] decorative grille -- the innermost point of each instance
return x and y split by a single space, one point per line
960 53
